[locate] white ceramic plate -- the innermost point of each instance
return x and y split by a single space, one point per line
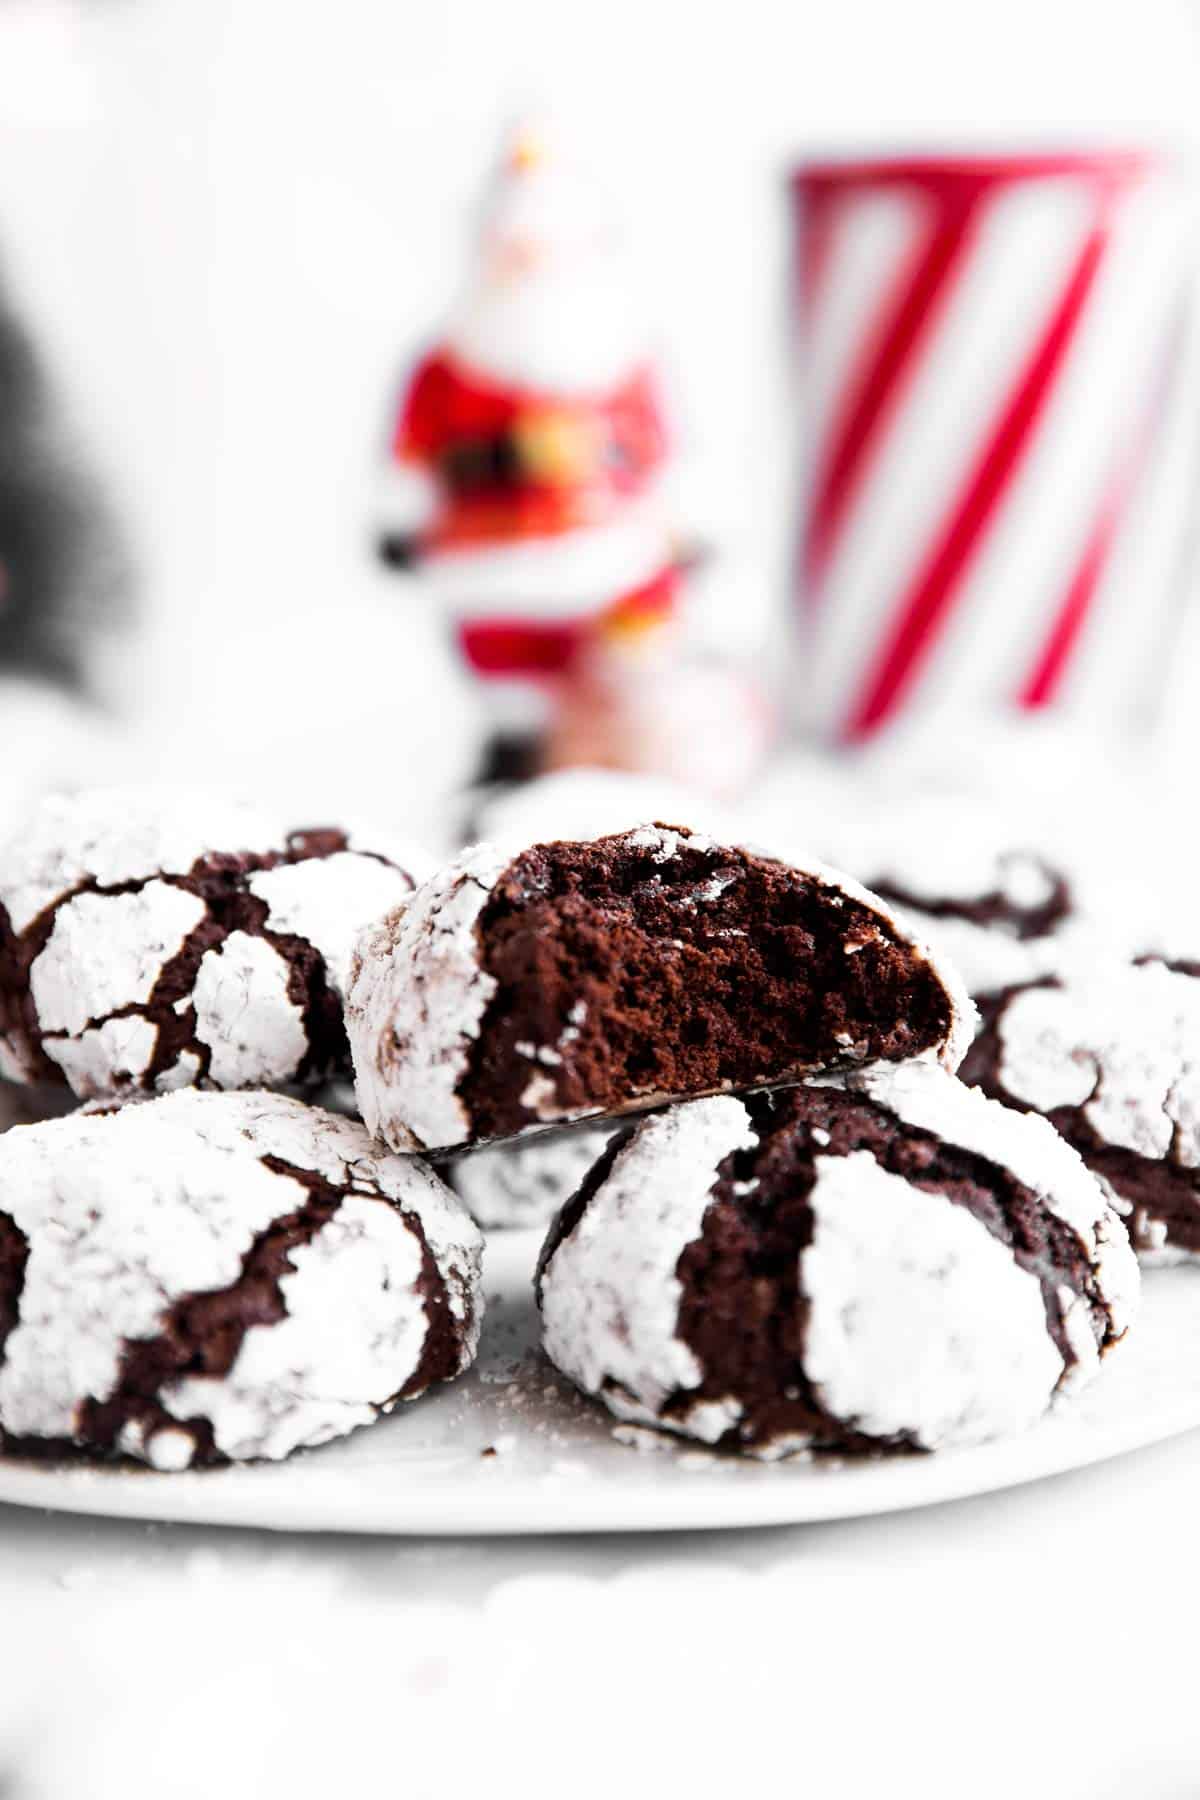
559 1463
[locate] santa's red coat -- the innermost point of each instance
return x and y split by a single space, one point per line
510 463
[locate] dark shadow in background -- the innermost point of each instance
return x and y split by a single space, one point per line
64 574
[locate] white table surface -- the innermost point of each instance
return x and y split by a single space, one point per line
1033 1641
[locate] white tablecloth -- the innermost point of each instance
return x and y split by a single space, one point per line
1032 1642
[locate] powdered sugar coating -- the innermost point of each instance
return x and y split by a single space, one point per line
244 1013
329 899
1124 1047
126 1212
1121 1045
525 1183
181 905
1027 1146
351 1272
990 958
919 1320
115 1054
1042 899
934 853
610 1295
416 997
108 950
110 836
418 992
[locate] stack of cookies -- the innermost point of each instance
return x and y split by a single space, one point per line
786 1223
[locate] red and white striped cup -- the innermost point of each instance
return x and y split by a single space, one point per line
1000 455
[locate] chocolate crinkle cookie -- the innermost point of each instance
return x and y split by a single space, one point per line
890 1262
206 1278
590 979
151 941
1112 1059
1002 915
524 1184
1008 903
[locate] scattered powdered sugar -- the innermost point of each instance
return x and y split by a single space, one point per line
610 1295
415 1000
664 844
644 1438
919 1320
128 1211
709 1420
540 1097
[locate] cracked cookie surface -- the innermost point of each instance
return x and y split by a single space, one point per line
1113 1061
879 1263
151 942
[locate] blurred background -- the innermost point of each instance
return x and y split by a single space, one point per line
229 231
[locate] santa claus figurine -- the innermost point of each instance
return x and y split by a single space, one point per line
527 464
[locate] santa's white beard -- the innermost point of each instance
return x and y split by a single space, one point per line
553 332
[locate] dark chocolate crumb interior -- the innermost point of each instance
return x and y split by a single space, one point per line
712 968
